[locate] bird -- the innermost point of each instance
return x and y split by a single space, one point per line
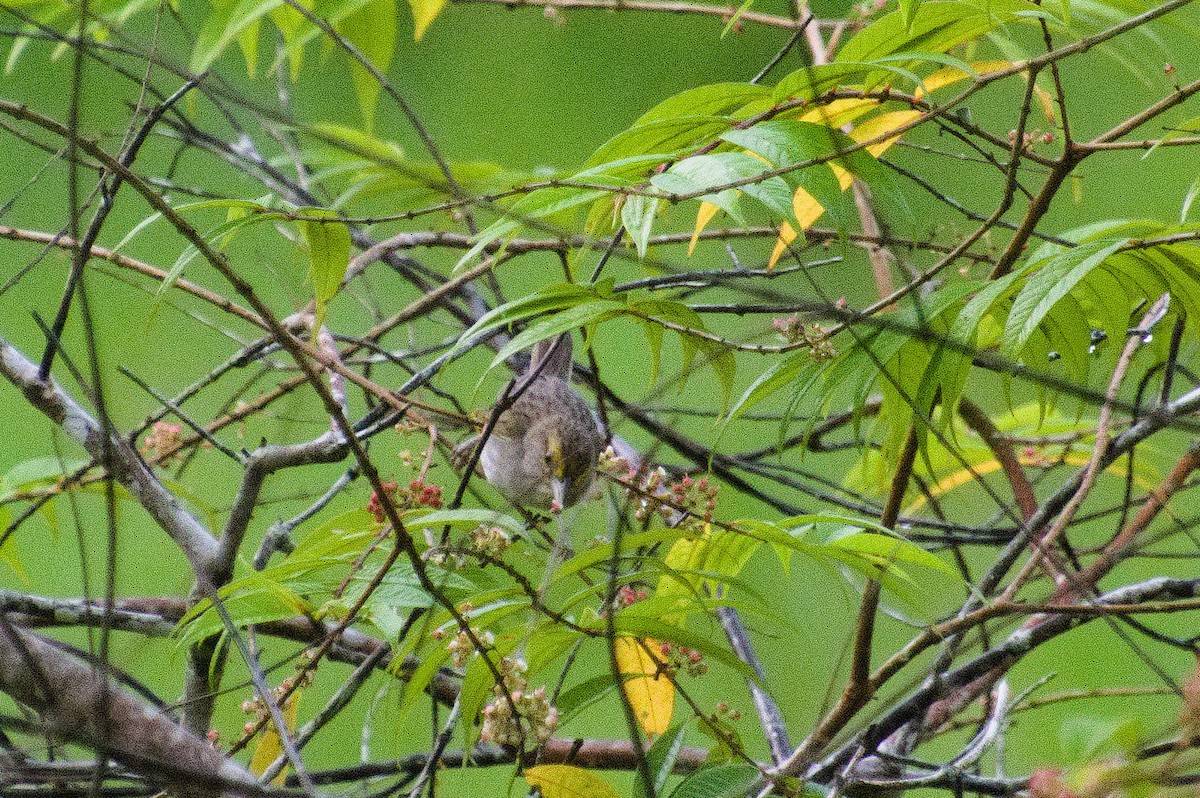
543 448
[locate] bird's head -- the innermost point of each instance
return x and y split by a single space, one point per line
568 463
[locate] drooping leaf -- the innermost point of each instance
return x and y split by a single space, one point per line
647 688
328 240
718 781
424 13
226 22
568 781
372 31
270 746
661 759
712 100
637 214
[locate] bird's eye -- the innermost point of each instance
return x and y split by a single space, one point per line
549 457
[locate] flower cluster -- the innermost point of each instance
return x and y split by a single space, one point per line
1031 139
485 543
461 647
517 713
419 493
794 331
163 442
726 711
281 694
683 659
698 496
628 595
687 503
1048 783
490 541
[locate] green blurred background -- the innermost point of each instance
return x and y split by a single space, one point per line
528 93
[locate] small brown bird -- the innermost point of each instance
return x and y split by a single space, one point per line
543 449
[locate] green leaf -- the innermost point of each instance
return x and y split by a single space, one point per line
637 214
531 208
224 25
908 12
661 759
809 81
35 473
796 369
329 255
733 19
360 142
582 315
713 100
632 622
1048 286
1084 739
291 23
934 26
575 700
371 29
220 236
719 781
463 519
667 136
547 300
703 173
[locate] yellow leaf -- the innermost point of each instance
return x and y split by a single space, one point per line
838 112
844 178
269 745
703 217
649 692
806 208
965 476
950 75
787 234
1046 101
881 125
424 13
568 781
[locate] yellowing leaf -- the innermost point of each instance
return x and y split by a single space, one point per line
424 13
1046 101
881 125
568 781
950 75
787 234
269 745
649 692
964 476
844 178
838 112
703 217
806 208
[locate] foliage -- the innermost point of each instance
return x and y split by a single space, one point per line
958 440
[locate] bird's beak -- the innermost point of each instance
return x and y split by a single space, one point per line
559 487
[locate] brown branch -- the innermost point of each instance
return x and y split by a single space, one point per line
1117 548
79 703
1002 448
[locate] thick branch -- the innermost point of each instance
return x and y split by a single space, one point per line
79 703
